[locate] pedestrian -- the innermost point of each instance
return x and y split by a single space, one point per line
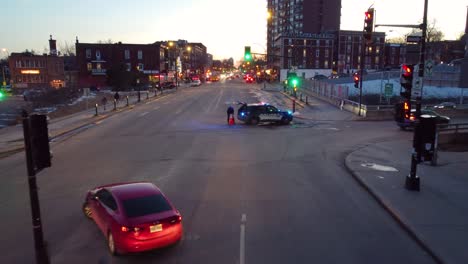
104 102
117 96
230 111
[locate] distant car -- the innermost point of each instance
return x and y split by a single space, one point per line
195 83
249 79
168 85
410 122
320 77
445 105
133 217
260 113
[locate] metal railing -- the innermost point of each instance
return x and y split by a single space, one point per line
455 128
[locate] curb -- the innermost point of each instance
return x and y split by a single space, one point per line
393 213
298 102
9 152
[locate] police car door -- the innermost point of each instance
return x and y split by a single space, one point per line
273 113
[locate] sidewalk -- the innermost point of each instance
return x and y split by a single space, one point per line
11 138
437 216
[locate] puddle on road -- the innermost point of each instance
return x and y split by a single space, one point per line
379 167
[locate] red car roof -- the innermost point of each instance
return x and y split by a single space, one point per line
124 191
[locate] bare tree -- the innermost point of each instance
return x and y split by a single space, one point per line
433 33
67 49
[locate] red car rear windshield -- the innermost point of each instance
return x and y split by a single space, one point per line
145 205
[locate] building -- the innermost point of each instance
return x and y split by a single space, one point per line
31 71
349 50
293 19
190 58
95 59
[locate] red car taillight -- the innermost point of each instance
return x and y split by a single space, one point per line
129 229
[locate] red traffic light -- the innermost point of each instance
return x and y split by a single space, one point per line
368 15
406 70
356 80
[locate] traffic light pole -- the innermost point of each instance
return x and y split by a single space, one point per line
39 246
412 181
363 57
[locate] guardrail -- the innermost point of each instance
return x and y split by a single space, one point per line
455 128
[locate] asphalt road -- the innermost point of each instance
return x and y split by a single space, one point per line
264 194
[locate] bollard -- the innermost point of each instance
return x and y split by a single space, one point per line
294 105
115 104
301 97
139 95
96 107
127 99
307 100
147 95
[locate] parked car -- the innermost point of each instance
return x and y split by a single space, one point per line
168 85
445 105
320 77
133 217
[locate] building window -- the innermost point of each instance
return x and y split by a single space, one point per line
98 66
317 65
89 66
317 53
98 54
140 66
377 60
18 64
88 53
325 64
359 59
129 66
140 54
327 53
349 38
317 43
377 50
127 54
304 53
327 42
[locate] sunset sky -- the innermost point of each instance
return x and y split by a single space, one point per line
225 27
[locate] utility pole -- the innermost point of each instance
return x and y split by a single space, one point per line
412 181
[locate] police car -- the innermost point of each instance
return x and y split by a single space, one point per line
261 113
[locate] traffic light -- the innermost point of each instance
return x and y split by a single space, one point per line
247 53
295 82
406 80
2 94
356 79
40 142
369 24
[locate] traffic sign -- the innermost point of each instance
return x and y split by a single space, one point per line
428 68
417 87
413 39
388 89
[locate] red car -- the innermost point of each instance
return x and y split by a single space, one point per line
134 217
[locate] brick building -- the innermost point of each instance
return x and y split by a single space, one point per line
94 59
349 51
31 71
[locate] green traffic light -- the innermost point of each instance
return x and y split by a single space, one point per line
1 95
248 56
294 81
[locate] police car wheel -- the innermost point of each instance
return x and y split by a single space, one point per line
254 121
285 121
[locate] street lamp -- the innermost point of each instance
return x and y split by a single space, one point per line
3 67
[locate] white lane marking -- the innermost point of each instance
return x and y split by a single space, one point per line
242 239
156 108
143 114
219 99
178 111
98 122
379 167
